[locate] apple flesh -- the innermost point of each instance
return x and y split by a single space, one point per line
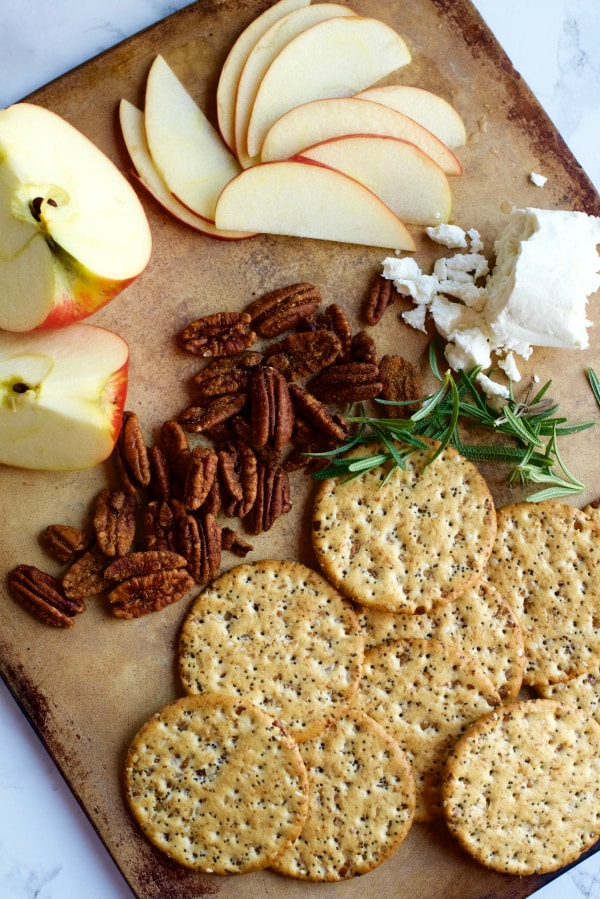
319 120
134 135
73 233
234 63
405 178
334 58
304 199
425 107
262 55
185 148
62 395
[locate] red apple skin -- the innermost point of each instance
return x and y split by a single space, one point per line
116 396
85 299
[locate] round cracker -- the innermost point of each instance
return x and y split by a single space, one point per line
582 691
425 694
521 788
480 623
279 634
409 539
546 562
216 784
361 802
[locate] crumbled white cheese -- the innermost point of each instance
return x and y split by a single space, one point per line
476 241
415 317
468 348
450 236
409 280
492 388
509 366
537 179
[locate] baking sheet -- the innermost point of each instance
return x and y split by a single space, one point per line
87 690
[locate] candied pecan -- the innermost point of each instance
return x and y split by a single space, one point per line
202 418
335 319
213 502
201 473
133 451
233 543
271 411
210 538
309 407
143 562
305 353
382 294
42 594
219 334
85 577
363 348
272 499
160 476
143 594
226 374
238 478
114 521
282 309
185 538
62 541
173 442
158 521
128 485
346 383
401 381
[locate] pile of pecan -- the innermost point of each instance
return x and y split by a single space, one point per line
227 456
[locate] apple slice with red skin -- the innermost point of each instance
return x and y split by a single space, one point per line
425 107
405 178
73 233
306 199
62 395
132 128
320 120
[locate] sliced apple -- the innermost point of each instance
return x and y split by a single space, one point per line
62 395
262 54
405 178
234 63
427 108
316 121
73 233
134 135
304 199
187 151
335 58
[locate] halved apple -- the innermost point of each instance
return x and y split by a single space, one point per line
187 151
319 120
62 395
73 233
405 178
262 54
134 135
335 58
425 107
305 199
234 63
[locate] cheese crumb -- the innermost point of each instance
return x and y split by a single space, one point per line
450 236
537 179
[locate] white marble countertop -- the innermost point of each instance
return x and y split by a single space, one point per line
48 849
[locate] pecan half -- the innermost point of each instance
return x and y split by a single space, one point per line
114 521
62 541
271 411
346 383
272 499
238 477
282 309
219 334
226 374
202 418
42 595
143 562
382 294
233 543
144 594
401 381
363 348
158 522
85 577
305 353
335 319
160 476
133 450
201 473
316 412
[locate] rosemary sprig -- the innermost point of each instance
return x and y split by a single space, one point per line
532 426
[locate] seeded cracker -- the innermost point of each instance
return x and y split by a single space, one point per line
582 691
279 635
408 543
521 789
546 562
480 623
216 784
361 802
425 694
